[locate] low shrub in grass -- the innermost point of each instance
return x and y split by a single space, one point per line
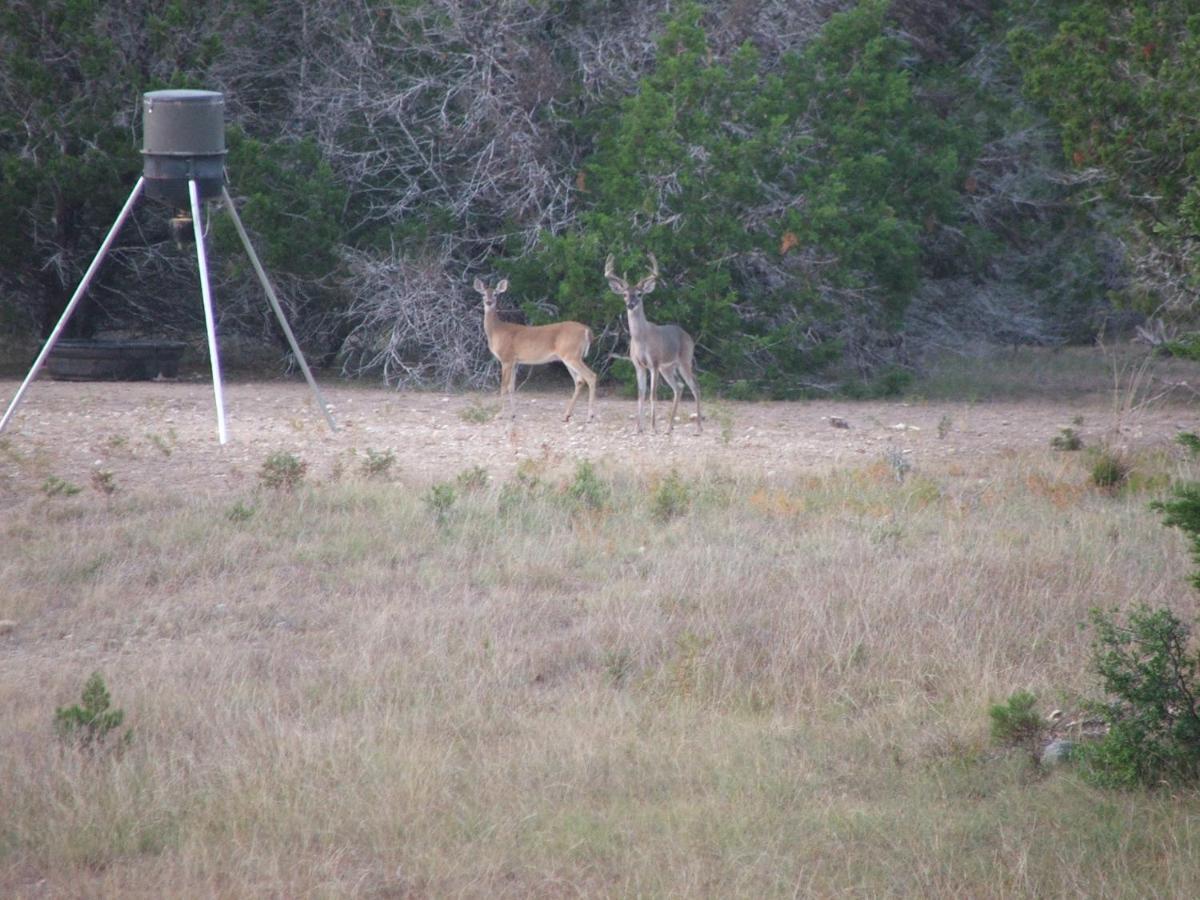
1109 469
1150 670
1014 722
282 471
88 724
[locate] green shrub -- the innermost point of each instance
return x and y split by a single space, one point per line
671 498
282 471
1182 511
1189 440
440 500
1014 721
1149 668
89 724
239 512
1109 469
54 486
473 479
586 489
1067 439
377 462
477 412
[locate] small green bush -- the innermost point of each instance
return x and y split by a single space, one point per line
89 724
1067 439
282 471
440 500
473 479
1109 469
239 512
103 482
586 489
1190 440
1151 671
671 498
54 486
1014 721
479 412
1182 511
377 462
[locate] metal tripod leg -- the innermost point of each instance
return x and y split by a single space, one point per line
209 320
274 301
75 298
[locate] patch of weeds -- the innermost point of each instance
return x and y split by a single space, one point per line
525 486
102 482
1109 469
671 499
478 412
239 512
164 445
472 480
54 486
900 464
440 500
1067 439
1189 440
377 462
282 471
618 665
723 416
889 533
586 489
87 725
945 426
686 668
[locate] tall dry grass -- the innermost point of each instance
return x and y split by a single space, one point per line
765 687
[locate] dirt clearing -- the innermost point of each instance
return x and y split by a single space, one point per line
163 434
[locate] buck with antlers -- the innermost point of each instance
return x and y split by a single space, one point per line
665 350
531 345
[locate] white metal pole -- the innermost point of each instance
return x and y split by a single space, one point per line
274 301
75 298
209 320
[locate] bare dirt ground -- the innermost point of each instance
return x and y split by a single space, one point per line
163 434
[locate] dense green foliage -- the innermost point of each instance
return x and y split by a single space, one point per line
773 225
1122 82
1150 670
831 189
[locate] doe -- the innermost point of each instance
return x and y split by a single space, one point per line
531 345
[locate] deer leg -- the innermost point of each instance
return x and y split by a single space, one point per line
673 380
653 392
590 377
641 383
578 379
508 385
690 378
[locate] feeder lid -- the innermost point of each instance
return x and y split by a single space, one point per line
183 123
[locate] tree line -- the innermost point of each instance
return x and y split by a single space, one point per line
833 189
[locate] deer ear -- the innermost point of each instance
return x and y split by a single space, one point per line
479 285
646 285
502 286
617 285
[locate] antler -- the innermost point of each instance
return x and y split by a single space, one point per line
653 266
608 267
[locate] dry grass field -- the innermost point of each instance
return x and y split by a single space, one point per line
459 659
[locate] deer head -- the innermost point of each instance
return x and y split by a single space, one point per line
489 294
633 295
